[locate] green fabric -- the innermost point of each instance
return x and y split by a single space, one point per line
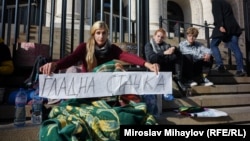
108 67
91 120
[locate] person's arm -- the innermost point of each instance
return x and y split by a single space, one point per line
218 14
134 59
151 56
65 62
152 67
206 53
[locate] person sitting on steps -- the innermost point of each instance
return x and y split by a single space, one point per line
197 60
168 57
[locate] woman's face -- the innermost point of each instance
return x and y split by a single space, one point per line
159 37
100 37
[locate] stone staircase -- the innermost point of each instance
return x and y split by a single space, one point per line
229 94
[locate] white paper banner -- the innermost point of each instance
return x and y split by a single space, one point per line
86 85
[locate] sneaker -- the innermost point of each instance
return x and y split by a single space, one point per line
219 68
240 73
191 83
206 82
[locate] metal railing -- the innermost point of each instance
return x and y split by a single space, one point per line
179 28
122 28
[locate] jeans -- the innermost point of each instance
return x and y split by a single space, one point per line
233 46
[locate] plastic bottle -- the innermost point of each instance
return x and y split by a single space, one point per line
37 103
20 113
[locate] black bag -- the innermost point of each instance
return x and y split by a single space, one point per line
33 78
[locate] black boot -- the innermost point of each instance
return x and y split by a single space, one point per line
178 78
181 86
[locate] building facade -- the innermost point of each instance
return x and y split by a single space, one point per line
187 11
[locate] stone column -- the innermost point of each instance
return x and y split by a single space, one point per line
154 14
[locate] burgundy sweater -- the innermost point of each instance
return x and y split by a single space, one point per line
115 53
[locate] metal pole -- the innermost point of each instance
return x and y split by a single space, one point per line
101 12
207 34
82 24
28 22
16 31
72 26
121 37
41 22
111 22
63 28
160 22
145 24
246 8
138 24
129 21
3 17
52 23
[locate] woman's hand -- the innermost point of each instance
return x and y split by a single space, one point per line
48 68
152 67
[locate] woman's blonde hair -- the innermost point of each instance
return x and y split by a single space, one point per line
90 48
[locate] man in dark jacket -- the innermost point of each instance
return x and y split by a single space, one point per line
227 30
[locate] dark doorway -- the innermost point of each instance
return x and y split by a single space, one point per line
174 13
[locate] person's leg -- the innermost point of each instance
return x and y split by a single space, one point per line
197 68
178 74
202 69
216 54
234 47
187 66
215 50
188 71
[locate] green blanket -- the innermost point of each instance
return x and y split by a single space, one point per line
91 120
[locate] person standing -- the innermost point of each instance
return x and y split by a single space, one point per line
197 59
226 30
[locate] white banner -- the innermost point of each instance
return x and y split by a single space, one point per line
86 85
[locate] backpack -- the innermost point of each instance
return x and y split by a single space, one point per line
32 80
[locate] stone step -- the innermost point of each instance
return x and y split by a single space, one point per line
221 89
221 100
235 115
